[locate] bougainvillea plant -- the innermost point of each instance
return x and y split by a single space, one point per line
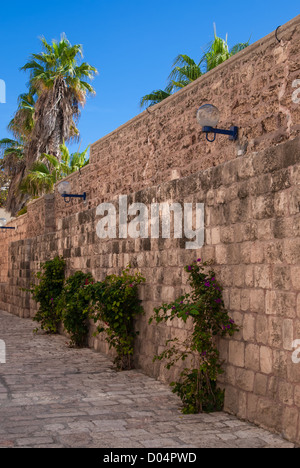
197 386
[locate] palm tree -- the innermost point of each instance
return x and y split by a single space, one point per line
186 70
48 170
59 86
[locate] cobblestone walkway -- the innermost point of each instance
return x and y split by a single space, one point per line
54 396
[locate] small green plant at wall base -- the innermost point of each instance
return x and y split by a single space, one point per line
47 293
197 386
75 307
116 305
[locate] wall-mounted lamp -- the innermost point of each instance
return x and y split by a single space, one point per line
64 189
3 224
208 117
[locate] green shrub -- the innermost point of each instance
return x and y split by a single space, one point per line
114 302
47 293
74 307
116 305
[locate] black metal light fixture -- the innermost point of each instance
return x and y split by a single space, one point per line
3 226
208 117
64 189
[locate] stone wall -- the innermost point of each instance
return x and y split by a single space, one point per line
252 223
255 90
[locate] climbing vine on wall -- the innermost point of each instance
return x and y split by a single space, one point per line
197 386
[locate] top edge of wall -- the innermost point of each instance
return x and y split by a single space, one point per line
244 53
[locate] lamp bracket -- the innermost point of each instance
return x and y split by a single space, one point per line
232 133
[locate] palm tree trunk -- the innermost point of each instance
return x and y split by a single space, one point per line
53 119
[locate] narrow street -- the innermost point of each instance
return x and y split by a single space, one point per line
53 396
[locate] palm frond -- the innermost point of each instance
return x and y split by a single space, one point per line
182 60
65 153
8 143
40 167
37 183
47 47
185 69
153 98
22 123
179 84
54 162
78 160
238 47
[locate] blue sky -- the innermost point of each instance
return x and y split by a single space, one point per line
132 43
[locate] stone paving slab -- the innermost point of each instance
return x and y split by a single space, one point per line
53 396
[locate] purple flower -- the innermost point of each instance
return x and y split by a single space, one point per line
189 268
228 326
207 284
231 321
213 279
51 299
218 301
181 302
199 260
